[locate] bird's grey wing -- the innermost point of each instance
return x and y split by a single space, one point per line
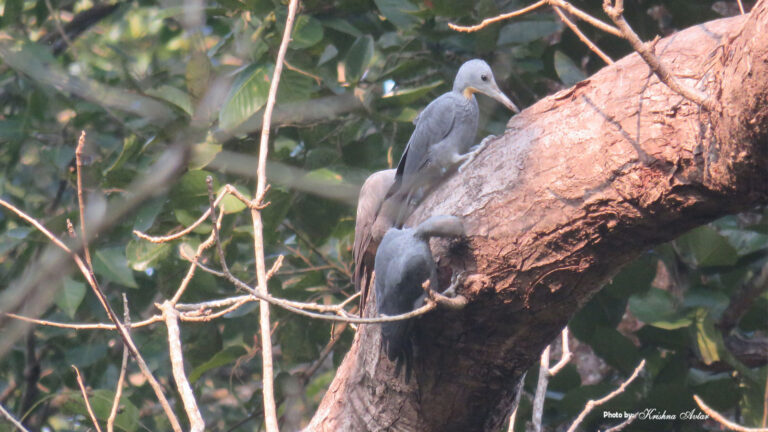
436 122
368 205
432 126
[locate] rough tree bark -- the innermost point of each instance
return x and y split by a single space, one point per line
580 184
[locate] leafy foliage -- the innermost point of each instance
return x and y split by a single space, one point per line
148 74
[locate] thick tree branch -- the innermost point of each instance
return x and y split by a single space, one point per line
581 183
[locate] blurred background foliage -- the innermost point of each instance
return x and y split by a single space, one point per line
140 75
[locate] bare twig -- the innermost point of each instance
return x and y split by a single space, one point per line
614 9
304 308
585 17
546 372
81 201
488 21
87 270
270 412
582 36
621 425
591 404
566 355
182 233
724 421
555 3
59 27
171 316
313 248
541 390
123 368
12 419
98 326
741 6
85 398
516 403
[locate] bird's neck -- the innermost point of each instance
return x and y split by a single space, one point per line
469 92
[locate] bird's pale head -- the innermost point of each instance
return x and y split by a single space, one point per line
475 76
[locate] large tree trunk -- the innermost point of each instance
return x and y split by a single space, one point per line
580 184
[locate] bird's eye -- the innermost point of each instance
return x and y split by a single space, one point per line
484 77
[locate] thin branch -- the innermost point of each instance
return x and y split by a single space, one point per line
85 398
615 11
270 412
87 271
724 421
12 419
304 308
566 355
591 404
123 368
621 425
546 372
98 326
741 6
182 233
554 3
313 248
488 21
57 22
585 17
171 316
582 36
81 200
541 390
516 403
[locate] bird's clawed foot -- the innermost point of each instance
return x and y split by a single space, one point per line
457 279
448 298
468 157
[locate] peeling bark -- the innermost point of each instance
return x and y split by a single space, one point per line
580 184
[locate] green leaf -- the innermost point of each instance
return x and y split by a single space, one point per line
329 53
615 349
142 254
342 25
112 264
147 213
191 190
358 58
69 296
174 96
101 402
634 278
12 12
204 153
131 146
247 95
523 32
398 12
198 75
12 238
407 96
707 248
567 70
745 241
708 339
307 31
231 204
657 308
224 357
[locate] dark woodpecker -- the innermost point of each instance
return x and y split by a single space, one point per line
403 263
369 229
444 133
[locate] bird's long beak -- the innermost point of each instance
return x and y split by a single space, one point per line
497 94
